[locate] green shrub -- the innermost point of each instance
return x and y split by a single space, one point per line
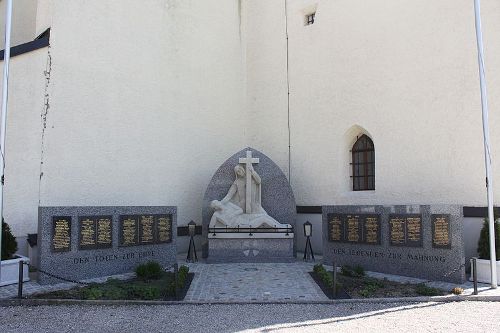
9 243
91 293
114 292
149 271
356 271
424 290
143 292
483 245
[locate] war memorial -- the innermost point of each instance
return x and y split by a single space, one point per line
237 151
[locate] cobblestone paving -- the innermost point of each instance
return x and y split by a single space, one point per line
253 282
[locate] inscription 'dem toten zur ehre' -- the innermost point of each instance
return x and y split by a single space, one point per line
354 228
61 233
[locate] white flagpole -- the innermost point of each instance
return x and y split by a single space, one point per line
487 149
5 95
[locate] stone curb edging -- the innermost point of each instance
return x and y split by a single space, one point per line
423 299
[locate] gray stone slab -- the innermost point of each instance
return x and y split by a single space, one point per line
251 250
77 264
277 195
425 261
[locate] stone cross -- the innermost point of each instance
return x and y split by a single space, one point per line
248 190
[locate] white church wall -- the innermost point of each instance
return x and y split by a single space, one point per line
146 102
406 73
22 168
266 82
23 21
43 16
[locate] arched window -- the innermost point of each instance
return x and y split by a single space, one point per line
363 164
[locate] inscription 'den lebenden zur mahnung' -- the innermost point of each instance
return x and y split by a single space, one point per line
354 228
145 229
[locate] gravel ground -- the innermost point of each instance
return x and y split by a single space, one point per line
398 317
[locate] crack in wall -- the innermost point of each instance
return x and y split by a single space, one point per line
45 112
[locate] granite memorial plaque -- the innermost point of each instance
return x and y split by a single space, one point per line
88 233
441 231
146 229
353 229
129 232
335 228
414 231
104 232
422 241
61 233
79 243
163 228
405 230
371 229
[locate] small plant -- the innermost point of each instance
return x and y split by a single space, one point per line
457 291
483 245
424 290
149 271
9 243
356 271
92 293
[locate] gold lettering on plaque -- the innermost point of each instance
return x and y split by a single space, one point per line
413 225
129 232
335 229
371 228
353 228
397 230
147 231
163 228
441 234
87 232
62 235
104 231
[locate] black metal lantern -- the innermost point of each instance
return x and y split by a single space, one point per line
191 255
307 229
308 251
192 228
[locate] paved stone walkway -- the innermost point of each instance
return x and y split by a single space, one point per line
253 282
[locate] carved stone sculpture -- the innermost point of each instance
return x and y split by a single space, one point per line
241 207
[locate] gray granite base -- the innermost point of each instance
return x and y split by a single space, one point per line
77 264
250 250
425 261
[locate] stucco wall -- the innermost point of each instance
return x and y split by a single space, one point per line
403 71
23 21
146 101
22 168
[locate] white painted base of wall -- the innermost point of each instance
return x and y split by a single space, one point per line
10 271
483 271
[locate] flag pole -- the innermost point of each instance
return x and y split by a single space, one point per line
487 148
5 95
